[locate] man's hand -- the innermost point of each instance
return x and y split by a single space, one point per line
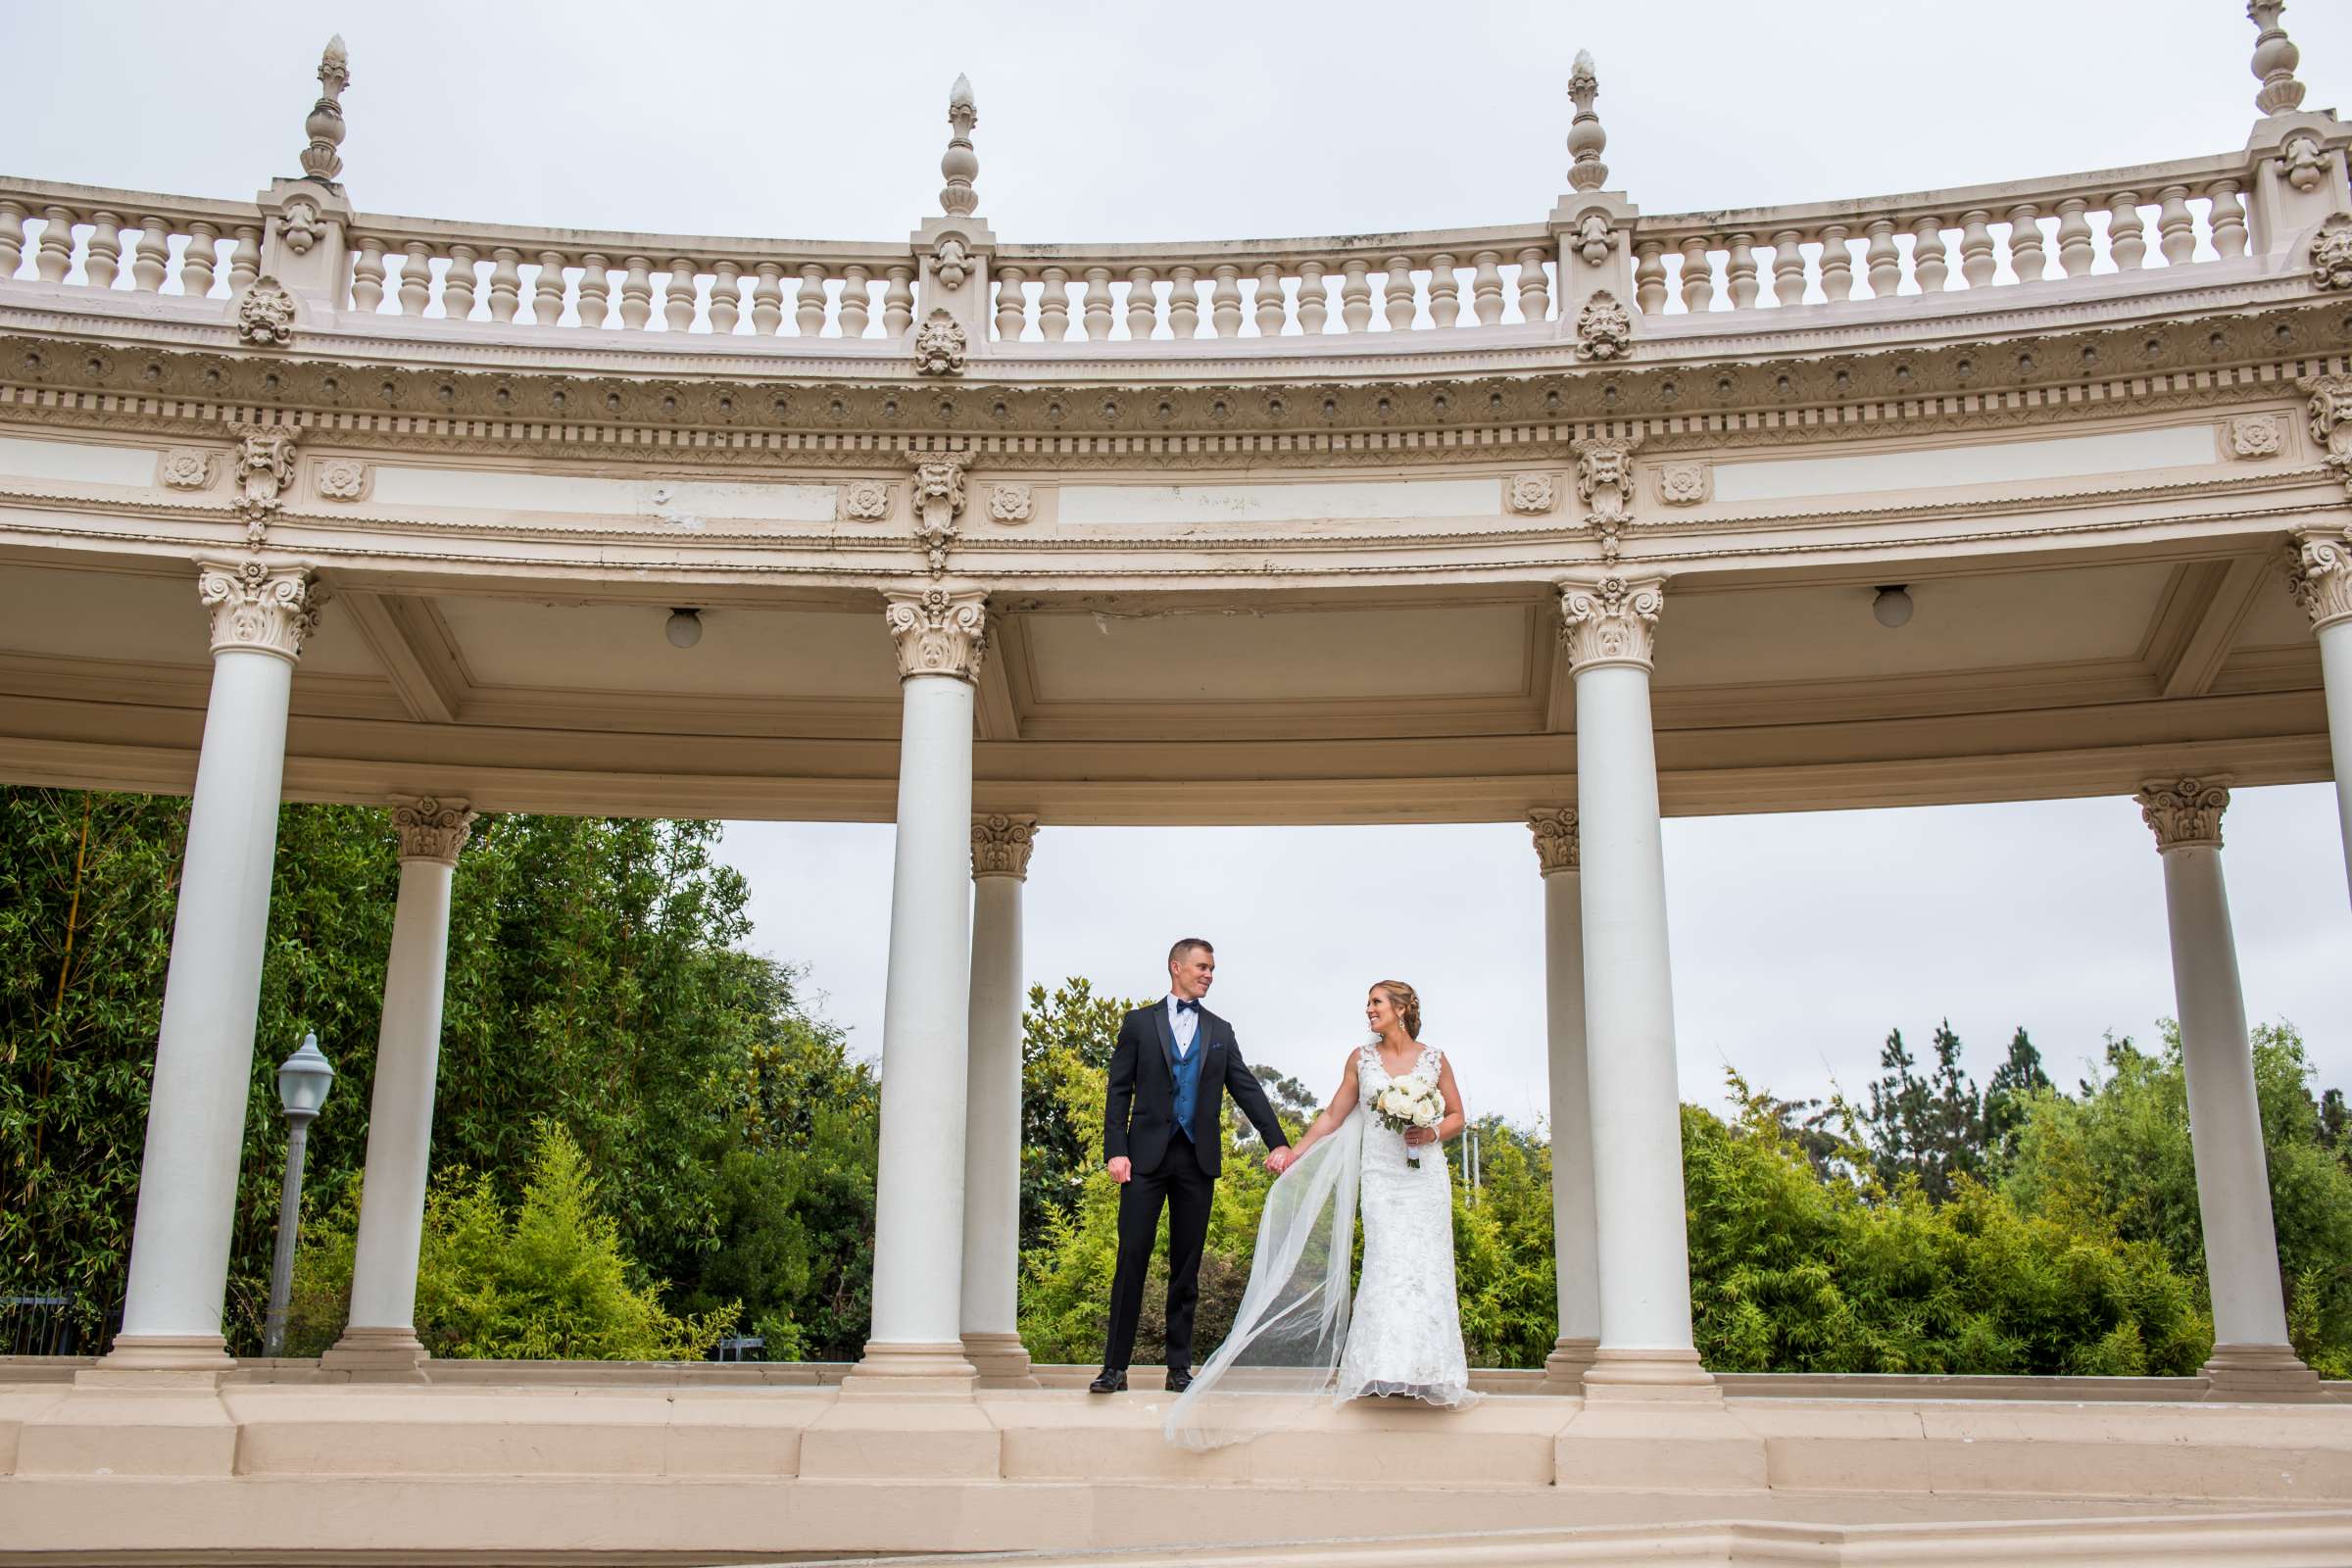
1121 1169
1280 1159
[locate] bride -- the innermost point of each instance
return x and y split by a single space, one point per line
1293 1337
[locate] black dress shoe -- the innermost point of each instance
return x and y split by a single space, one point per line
1180 1378
1114 1379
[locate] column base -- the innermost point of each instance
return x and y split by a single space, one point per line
1001 1360
922 1370
377 1355
1565 1367
1648 1374
160 1361
2262 1374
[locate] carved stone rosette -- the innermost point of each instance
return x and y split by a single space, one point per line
2185 812
1000 846
1010 503
431 828
2256 436
1529 493
865 501
938 632
1611 623
259 609
1686 484
1557 848
2319 573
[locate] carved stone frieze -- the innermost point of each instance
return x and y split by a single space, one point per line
1614 621
266 315
1686 484
1531 495
2185 812
1010 503
865 501
1604 330
2319 573
258 608
940 345
1001 845
1557 848
1604 483
2331 253
432 828
265 473
2255 436
938 632
187 468
342 479
939 492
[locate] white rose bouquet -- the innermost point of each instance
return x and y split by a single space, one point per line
1409 1102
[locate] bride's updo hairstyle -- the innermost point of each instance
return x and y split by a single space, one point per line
1406 1000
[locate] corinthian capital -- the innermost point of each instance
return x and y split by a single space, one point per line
1554 827
1614 621
259 609
1001 845
2185 812
938 632
2318 573
432 828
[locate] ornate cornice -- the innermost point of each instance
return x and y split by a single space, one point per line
1614 621
2185 812
938 632
2319 573
431 828
257 607
1000 846
1556 844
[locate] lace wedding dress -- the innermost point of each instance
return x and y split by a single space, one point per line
1406 1333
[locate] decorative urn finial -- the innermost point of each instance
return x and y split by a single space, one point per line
2275 60
960 163
320 160
1586 138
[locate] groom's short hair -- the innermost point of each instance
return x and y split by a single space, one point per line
1176 954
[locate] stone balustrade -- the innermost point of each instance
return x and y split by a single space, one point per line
86 237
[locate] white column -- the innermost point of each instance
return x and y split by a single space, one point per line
379 1343
991 1154
212 991
2251 1358
1636 1114
918 1203
2322 585
1575 1226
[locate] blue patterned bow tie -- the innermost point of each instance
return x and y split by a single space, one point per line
1183 1005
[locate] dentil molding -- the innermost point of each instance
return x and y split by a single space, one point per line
1614 621
1557 848
938 631
257 607
1001 845
432 828
2185 813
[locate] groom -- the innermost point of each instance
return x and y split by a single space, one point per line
1161 1140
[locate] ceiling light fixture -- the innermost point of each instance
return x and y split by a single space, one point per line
1892 607
685 628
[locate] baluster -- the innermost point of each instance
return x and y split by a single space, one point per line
244 257
1314 300
1977 263
2229 219
1094 303
2026 258
677 295
1699 275
2127 236
547 290
898 301
726 297
1740 271
1397 299
1184 302
1649 277
2074 251
1355 296
2176 229
1884 263
596 289
1444 292
1270 310
768 299
809 301
1486 287
458 283
11 238
1225 302
856 302
1788 267
203 255
636 292
153 259
1534 291
1012 303
1837 264
366 272
1054 305
103 260
1928 269
415 277
506 282
1142 303
55 259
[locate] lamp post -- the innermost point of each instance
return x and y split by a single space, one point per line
303 1080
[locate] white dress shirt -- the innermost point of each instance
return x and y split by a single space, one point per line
1185 1025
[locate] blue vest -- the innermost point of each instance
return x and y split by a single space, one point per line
1187 1070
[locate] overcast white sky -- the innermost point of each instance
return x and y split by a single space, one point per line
1798 941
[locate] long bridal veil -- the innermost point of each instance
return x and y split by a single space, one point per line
1282 1358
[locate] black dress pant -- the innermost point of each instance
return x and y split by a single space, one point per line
1185 1188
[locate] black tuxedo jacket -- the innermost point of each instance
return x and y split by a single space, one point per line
1139 1114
